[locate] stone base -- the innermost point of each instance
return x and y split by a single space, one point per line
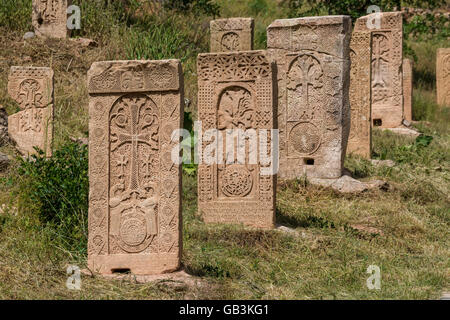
347 184
139 264
250 216
404 131
179 276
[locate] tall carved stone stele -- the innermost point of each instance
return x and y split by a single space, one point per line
387 87
32 126
236 91
360 138
407 88
232 34
134 197
313 67
49 18
443 76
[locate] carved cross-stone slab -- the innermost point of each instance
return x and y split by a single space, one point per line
32 126
232 34
135 188
49 18
387 86
407 88
236 92
443 76
312 57
360 138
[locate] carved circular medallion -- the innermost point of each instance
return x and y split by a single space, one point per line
230 41
167 211
304 138
133 231
236 181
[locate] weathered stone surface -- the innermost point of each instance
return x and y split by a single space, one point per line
347 184
135 187
360 138
405 131
3 126
387 87
50 18
313 68
232 34
236 91
407 88
32 88
443 76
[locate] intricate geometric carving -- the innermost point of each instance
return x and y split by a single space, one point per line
360 138
248 66
237 181
235 92
134 197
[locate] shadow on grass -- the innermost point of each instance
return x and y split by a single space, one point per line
308 221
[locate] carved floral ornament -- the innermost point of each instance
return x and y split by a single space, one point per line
236 109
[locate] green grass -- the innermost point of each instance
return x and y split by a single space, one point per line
328 257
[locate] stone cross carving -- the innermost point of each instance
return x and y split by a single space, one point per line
134 201
31 127
387 79
443 76
236 96
50 18
360 138
312 58
232 34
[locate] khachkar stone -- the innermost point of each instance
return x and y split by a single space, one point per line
236 92
407 89
134 198
443 76
312 56
360 138
387 87
50 18
32 126
233 34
